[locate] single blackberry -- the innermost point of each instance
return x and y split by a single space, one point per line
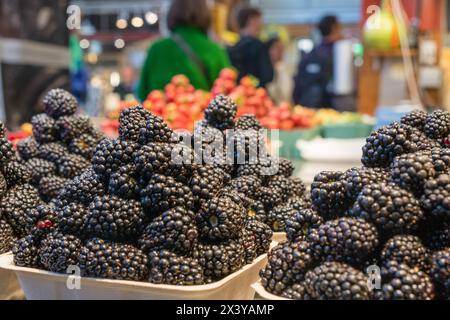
6 151
83 145
174 230
16 173
264 168
415 119
437 124
248 241
131 120
206 182
296 292
436 197
440 272
299 202
123 183
285 167
289 187
6 237
72 218
155 130
337 281
219 259
391 209
44 128
278 216
346 240
248 145
70 127
152 158
221 112
113 218
50 186
110 155
406 249
301 223
248 122
40 213
248 185
58 251
356 179
400 282
3 185
386 143
221 218
59 102
169 268
328 194
71 166
28 148
102 259
441 159
257 211
438 237
270 197
40 168
163 193
263 235
53 151
287 264
82 189
26 252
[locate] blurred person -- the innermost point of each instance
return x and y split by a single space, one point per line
127 83
280 89
250 55
315 73
187 51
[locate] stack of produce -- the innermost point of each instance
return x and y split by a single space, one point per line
138 214
393 213
61 146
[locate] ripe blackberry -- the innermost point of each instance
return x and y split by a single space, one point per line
263 235
257 211
28 148
3 185
400 282
155 130
113 218
220 218
278 216
415 119
328 194
169 268
131 121
391 209
52 151
248 185
163 193
357 178
6 237
248 241
40 168
221 112
123 183
219 259
441 159
206 182
2 130
386 143
437 124
174 230
301 223
50 186
26 252
248 122
287 264
337 281
6 151
289 186
153 158
70 127
270 197
438 237
296 292
406 249
58 251
248 145
440 272
44 128
110 155
59 102
264 168
16 173
102 259
72 218
82 189
285 167
436 197
71 166
41 213
83 145
346 240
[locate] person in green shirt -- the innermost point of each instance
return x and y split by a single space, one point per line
187 51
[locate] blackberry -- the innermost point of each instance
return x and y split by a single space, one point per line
72 218
169 268
59 102
299 202
270 197
6 237
131 121
82 189
123 183
278 216
406 249
248 122
263 235
110 155
58 251
286 167
70 127
50 186
155 130
102 259
112 218
328 194
289 186
257 211
248 145
296 292
357 178
346 240
264 168
437 124
163 193
53 151
221 112
301 223
83 145
400 282
220 218
441 159
206 182
440 272
40 213
287 264
337 281
248 185
248 242
44 128
152 158
174 230
71 166
219 259
40 168
438 237
16 173
2 130
3 185
6 151
415 119
391 209
436 197
26 252
28 148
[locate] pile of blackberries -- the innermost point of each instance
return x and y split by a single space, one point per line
381 231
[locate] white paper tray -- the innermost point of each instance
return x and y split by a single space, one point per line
279 237
9 285
262 294
44 285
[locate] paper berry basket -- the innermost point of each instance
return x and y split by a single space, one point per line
279 237
262 294
9 285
